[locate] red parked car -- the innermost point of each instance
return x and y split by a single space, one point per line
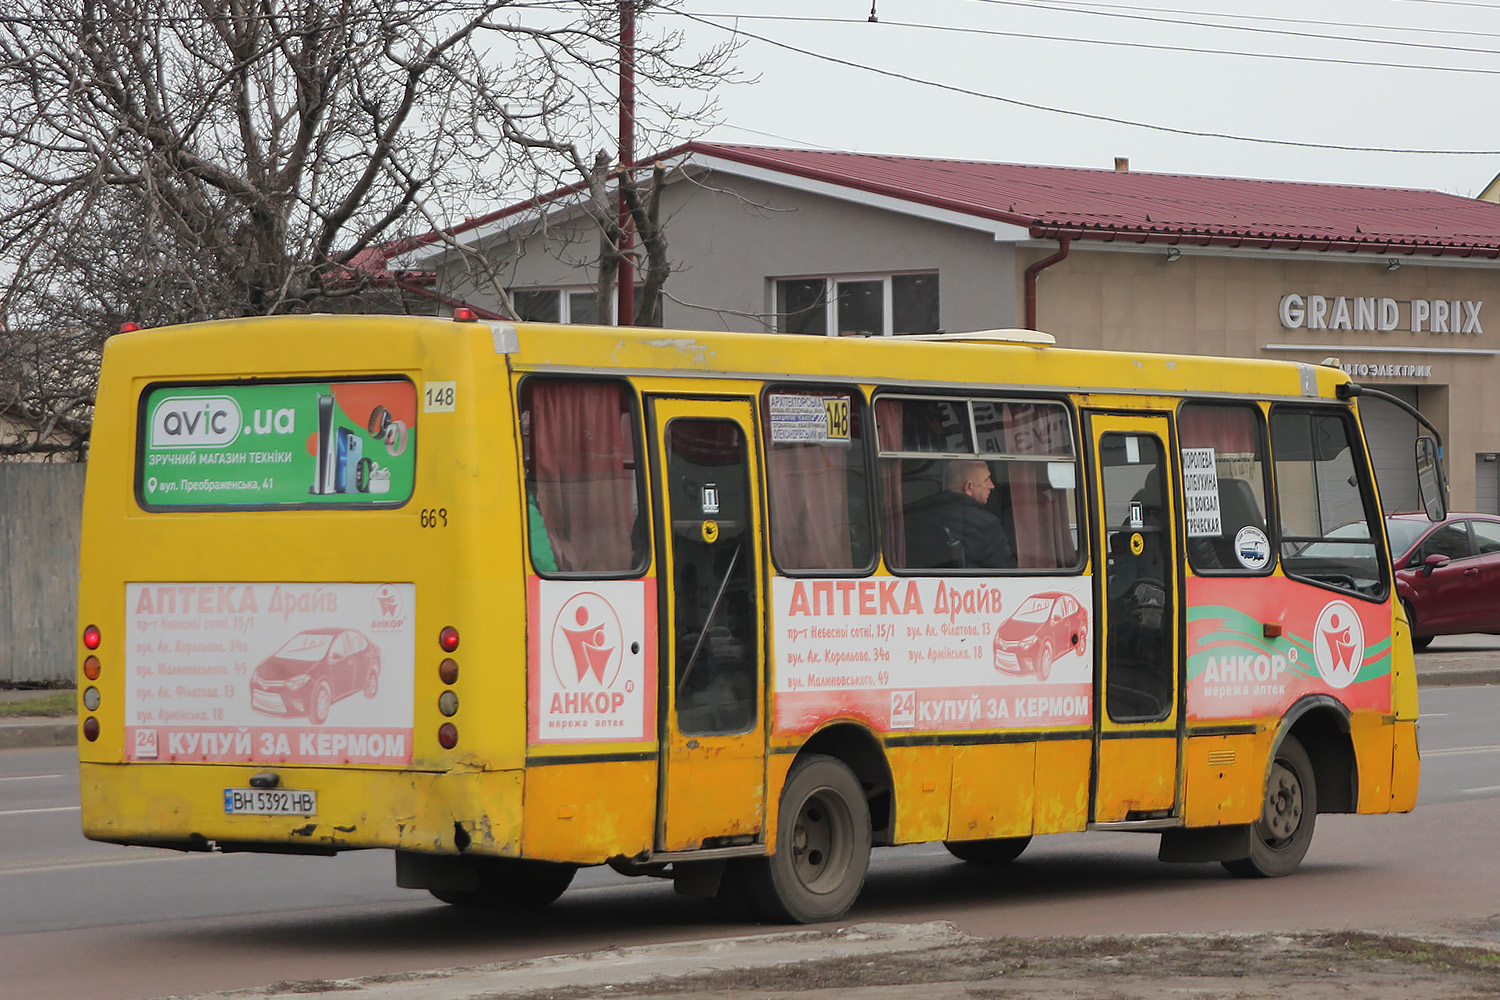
1447 573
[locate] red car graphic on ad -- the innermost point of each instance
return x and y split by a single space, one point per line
1043 628
314 669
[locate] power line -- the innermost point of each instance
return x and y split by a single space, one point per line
1116 11
1190 50
951 88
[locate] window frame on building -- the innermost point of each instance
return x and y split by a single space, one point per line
826 307
568 296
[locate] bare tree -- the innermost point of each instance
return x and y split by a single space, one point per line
172 160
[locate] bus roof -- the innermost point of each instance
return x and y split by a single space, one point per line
997 359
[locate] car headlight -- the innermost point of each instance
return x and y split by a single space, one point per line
1028 642
298 683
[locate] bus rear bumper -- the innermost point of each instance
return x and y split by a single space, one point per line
182 806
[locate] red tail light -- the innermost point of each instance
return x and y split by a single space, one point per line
448 735
448 638
91 637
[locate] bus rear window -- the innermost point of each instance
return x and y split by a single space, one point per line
277 444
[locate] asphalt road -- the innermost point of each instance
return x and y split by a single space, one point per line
84 919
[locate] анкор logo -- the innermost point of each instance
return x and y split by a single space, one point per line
1338 644
587 637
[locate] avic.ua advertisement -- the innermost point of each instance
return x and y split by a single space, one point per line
278 444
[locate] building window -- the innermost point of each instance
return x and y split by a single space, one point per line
858 306
560 305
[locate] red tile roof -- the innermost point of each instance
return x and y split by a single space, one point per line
1157 208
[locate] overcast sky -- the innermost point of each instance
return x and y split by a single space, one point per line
1291 70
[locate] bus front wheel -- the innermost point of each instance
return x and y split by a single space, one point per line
822 847
1281 836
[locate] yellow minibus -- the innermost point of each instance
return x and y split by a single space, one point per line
733 609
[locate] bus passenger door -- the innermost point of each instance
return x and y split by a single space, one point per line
1137 749
704 474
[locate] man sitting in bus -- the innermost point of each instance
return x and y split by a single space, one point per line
953 528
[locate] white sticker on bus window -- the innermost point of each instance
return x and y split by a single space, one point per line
1252 548
1132 451
799 418
1200 493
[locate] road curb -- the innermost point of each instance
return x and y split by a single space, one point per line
37 732
1459 678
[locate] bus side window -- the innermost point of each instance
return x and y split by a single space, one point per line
976 485
818 481
1325 502
580 456
1224 486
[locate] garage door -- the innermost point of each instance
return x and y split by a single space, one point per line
1487 483
1391 433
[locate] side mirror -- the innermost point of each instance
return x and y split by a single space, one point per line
1434 561
1430 486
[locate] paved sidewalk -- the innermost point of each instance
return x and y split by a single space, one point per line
1451 661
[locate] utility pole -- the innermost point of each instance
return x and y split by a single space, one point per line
625 280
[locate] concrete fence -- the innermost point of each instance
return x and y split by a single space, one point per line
40 509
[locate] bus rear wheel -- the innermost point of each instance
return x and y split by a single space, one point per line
1280 838
996 851
511 884
822 847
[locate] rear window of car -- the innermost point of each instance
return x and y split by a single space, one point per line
1486 536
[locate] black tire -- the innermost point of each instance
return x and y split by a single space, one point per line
511 884
1281 836
998 851
822 847
320 703
1417 641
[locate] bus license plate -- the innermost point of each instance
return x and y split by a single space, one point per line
270 801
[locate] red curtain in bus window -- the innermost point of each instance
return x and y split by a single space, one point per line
585 479
1231 430
888 429
1042 515
810 505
